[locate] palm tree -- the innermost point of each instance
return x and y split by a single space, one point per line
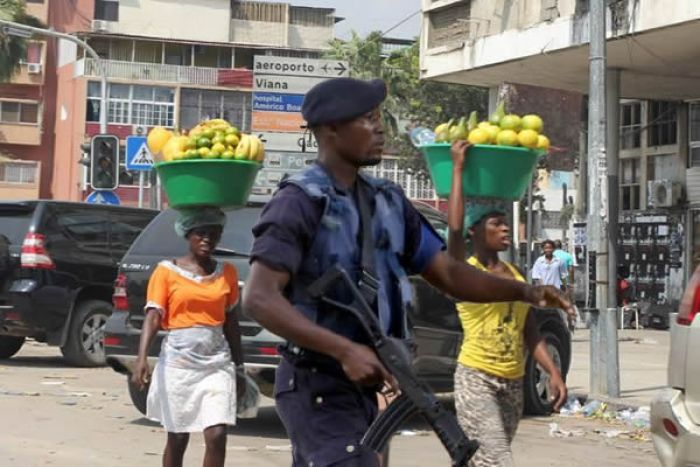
13 49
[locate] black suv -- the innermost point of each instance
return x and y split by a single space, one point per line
436 325
58 262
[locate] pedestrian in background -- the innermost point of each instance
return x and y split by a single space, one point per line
569 263
193 388
548 269
491 363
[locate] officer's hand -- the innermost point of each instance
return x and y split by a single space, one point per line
459 152
362 366
547 296
140 375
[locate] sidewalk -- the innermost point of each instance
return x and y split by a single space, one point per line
643 364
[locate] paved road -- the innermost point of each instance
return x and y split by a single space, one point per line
56 415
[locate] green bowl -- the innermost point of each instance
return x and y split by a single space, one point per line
489 172
207 182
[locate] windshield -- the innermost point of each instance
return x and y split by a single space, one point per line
160 239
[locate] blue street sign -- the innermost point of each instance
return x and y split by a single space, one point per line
272 102
138 156
103 197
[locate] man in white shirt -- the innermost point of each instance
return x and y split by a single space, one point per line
548 269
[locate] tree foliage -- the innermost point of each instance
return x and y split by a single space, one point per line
411 101
13 49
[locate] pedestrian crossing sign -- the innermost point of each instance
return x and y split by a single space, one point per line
138 156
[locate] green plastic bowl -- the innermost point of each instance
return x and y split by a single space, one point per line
489 172
207 182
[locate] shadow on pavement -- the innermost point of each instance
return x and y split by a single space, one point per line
267 424
37 362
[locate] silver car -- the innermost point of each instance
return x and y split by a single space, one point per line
675 412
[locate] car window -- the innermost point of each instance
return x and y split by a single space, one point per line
14 223
439 225
159 238
86 229
125 227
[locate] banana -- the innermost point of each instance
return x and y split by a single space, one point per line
243 148
255 145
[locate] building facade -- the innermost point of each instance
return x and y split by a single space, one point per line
649 48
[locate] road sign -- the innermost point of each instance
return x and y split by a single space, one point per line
271 102
279 86
286 66
138 156
103 197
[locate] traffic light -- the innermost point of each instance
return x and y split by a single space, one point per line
104 162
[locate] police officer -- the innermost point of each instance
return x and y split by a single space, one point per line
326 384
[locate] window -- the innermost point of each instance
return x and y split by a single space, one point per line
107 10
630 178
133 105
125 227
212 57
631 127
662 167
178 54
663 123
694 135
197 105
33 53
18 172
19 112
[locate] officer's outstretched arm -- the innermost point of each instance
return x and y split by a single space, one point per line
466 283
264 301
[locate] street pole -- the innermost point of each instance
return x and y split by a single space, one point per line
604 371
9 26
528 229
141 183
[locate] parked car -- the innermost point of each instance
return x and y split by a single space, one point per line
675 412
435 322
58 262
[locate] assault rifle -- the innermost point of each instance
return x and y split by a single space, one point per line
416 397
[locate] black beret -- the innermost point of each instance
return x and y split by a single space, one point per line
341 99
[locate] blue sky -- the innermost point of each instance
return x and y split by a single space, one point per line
365 16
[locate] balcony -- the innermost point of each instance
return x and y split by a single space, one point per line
19 179
20 133
161 73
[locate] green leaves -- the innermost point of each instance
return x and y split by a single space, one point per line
13 49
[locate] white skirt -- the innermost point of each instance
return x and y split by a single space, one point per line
194 383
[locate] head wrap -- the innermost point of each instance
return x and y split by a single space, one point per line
477 209
191 218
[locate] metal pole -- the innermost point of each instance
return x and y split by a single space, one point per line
104 100
142 181
613 147
598 199
528 228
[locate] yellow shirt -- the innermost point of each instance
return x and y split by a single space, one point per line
494 333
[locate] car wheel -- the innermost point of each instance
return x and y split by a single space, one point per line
10 345
536 383
138 396
85 343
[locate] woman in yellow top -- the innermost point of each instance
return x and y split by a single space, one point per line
491 364
193 388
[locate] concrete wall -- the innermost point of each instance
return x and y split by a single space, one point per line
259 32
70 131
309 37
195 20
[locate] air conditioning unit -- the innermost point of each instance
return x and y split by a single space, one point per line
139 130
33 68
664 193
99 25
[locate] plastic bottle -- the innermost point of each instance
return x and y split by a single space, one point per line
421 136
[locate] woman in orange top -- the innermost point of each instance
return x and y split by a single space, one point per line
194 382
